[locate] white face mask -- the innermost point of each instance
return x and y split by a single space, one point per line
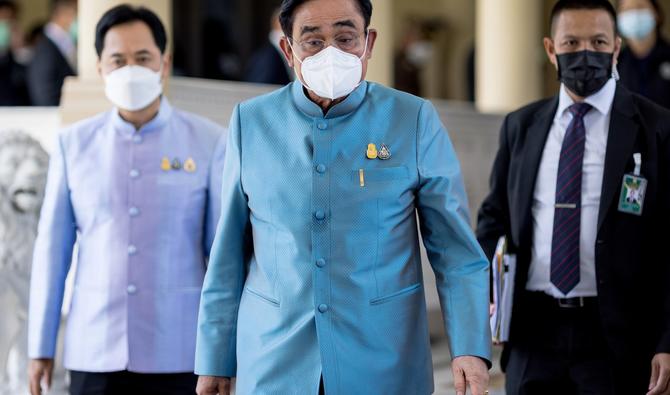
637 24
332 73
133 88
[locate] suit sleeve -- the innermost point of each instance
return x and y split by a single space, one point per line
226 273
493 220
44 83
664 343
51 260
460 266
213 211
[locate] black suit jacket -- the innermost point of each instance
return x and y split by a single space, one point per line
46 74
632 259
267 66
649 76
13 90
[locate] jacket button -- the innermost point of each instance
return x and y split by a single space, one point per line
323 308
321 168
320 215
320 262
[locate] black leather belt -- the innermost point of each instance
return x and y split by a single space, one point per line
575 303
542 299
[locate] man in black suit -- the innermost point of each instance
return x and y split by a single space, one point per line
591 309
13 90
55 55
267 65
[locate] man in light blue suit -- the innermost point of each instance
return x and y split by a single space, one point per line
314 283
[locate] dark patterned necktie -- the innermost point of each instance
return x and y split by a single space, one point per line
567 213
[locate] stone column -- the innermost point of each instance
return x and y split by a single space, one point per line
380 67
83 96
508 53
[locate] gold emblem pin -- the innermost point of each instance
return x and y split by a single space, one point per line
189 165
165 164
372 151
176 164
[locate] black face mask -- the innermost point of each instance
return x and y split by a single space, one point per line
585 72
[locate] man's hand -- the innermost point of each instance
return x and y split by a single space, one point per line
211 385
470 371
40 370
660 375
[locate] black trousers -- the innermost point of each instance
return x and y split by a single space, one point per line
562 352
128 383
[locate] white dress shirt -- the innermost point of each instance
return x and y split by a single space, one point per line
597 122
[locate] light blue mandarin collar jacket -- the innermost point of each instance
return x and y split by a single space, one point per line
315 268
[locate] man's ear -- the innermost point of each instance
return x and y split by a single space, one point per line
550 49
167 66
617 49
286 50
372 38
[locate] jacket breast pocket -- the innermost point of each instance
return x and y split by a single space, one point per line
184 193
365 176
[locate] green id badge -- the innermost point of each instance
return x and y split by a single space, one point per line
633 190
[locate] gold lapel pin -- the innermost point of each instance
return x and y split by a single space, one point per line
165 164
189 165
372 151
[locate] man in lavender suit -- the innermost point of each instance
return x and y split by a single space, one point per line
138 188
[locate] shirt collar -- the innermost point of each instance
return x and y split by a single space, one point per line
345 107
126 128
601 100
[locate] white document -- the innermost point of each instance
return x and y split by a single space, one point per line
503 267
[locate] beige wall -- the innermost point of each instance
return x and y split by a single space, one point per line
33 12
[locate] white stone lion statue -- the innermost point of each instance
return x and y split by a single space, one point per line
23 169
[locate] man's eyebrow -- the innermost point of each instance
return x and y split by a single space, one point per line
345 23
601 35
569 37
143 52
309 29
